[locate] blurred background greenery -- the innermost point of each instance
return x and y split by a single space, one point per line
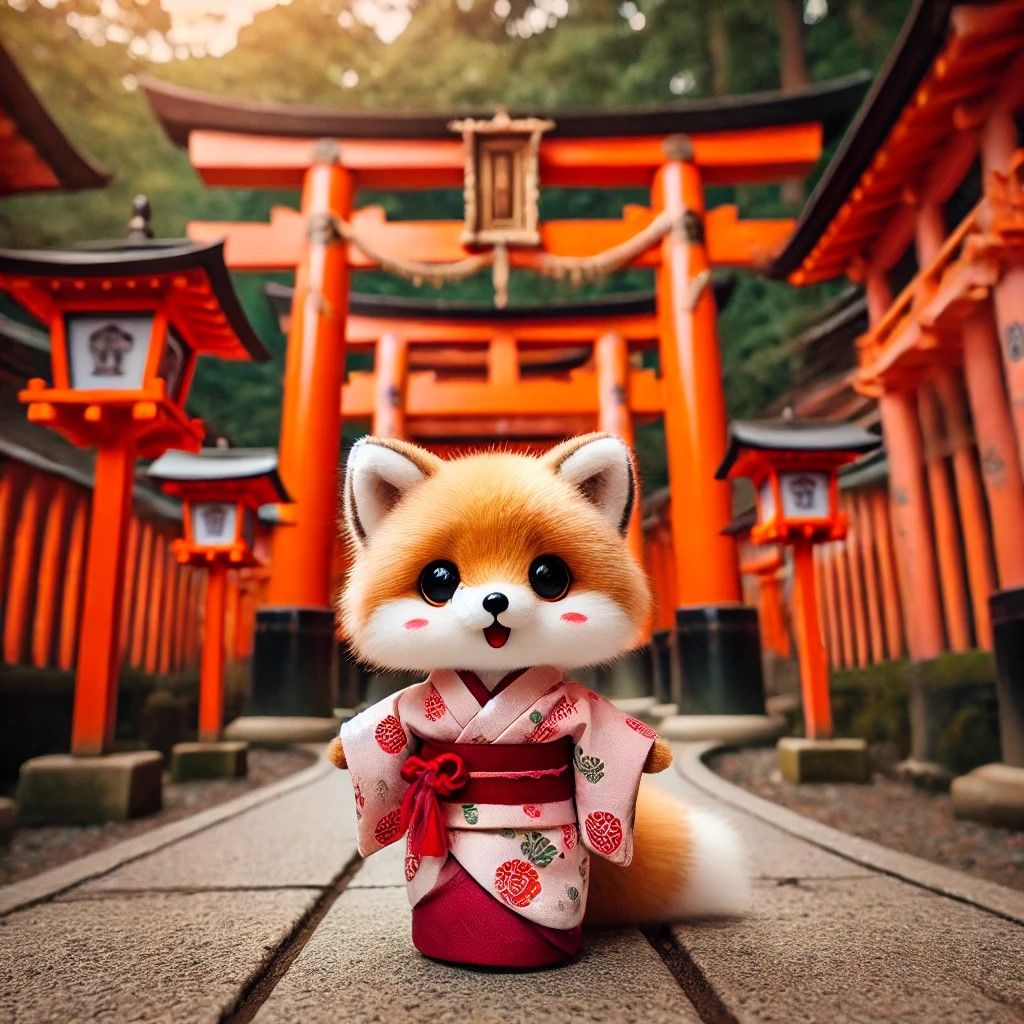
85 59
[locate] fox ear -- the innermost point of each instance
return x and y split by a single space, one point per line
601 468
378 474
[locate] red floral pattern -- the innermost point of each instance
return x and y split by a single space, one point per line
604 831
388 828
412 865
570 837
434 705
532 810
641 727
517 882
390 736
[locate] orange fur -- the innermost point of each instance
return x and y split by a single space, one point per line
491 514
662 857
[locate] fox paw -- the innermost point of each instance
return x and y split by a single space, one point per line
658 758
336 753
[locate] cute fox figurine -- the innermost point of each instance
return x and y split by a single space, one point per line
496 575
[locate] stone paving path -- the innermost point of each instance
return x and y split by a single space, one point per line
264 912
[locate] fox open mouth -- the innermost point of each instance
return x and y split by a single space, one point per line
496 634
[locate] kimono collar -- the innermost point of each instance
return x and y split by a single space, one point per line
475 684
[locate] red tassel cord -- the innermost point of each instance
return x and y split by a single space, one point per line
421 813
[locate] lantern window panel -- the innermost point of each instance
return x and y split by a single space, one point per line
108 351
173 361
805 495
214 523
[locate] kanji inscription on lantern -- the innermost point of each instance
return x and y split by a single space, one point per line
106 352
501 179
213 522
805 495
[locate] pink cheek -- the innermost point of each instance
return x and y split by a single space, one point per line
574 617
417 623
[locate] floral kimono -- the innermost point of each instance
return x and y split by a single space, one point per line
500 796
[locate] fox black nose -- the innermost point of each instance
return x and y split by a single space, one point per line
495 603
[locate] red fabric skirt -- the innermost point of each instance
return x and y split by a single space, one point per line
460 922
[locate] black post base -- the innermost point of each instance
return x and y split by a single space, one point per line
718 661
1007 609
351 679
661 665
293 663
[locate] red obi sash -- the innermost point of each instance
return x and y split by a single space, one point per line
502 773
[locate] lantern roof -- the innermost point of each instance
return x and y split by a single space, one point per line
249 470
35 155
195 276
182 110
792 435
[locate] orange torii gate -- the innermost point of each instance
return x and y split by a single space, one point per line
673 151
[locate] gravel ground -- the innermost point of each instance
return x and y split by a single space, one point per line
37 849
888 812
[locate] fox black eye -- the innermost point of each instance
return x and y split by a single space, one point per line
550 577
438 581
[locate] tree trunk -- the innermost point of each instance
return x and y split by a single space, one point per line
792 71
718 50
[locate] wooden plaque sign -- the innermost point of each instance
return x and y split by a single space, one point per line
502 186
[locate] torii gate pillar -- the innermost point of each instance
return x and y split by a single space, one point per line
717 666
294 655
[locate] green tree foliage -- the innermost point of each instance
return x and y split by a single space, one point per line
85 58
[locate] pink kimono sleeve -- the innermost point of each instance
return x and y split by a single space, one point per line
609 752
376 746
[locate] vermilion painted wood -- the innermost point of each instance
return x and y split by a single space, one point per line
211 678
974 524
21 586
391 377
849 637
860 513
993 427
73 583
614 380
11 481
824 554
810 646
51 560
155 610
143 578
276 246
726 157
311 418
881 531
862 640
944 520
93 716
130 585
912 525
707 569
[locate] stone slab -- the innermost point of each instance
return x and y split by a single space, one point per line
725 728
360 965
272 730
383 870
993 793
58 789
8 820
303 838
224 760
861 950
181 957
837 760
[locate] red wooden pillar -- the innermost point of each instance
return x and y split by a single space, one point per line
888 572
71 599
997 446
92 729
391 377
717 638
296 627
944 521
21 583
810 646
912 526
611 354
51 571
211 672
866 539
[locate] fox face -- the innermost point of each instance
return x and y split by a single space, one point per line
491 562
